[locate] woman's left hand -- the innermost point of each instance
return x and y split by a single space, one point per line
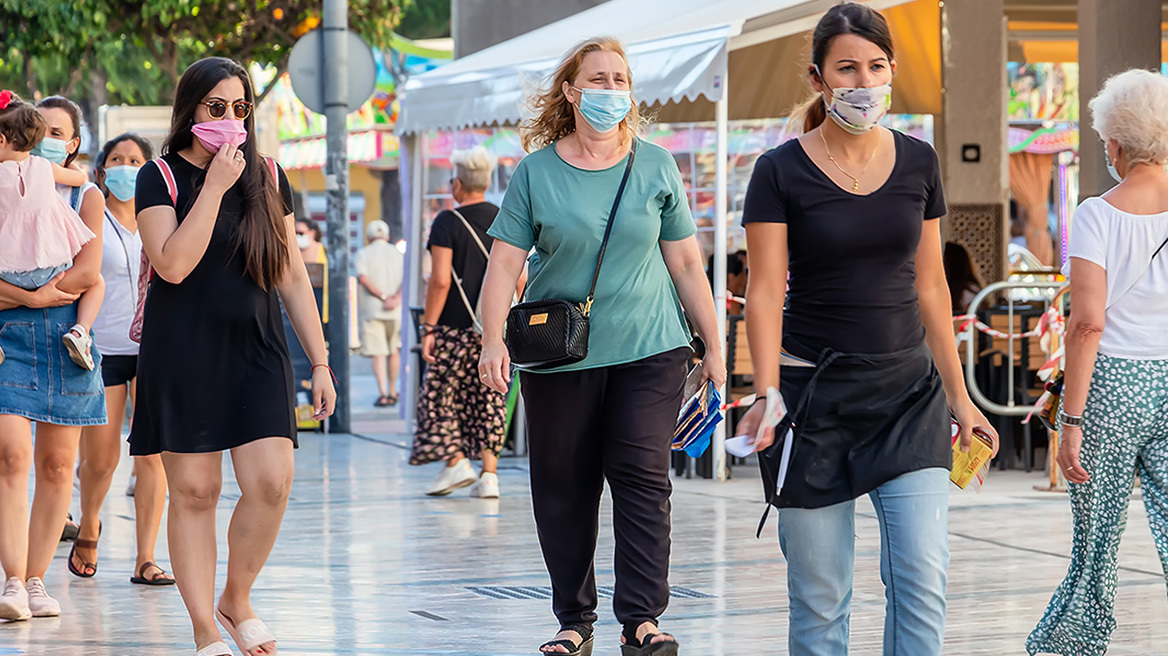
969 417
324 395
1070 444
714 368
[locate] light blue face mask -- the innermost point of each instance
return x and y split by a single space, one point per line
121 181
54 150
1111 167
604 109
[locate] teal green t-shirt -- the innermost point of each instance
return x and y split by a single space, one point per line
561 211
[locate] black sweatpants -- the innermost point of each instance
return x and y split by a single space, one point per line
613 423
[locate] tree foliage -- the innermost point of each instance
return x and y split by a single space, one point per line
426 19
132 51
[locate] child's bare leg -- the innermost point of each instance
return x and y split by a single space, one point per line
77 340
90 303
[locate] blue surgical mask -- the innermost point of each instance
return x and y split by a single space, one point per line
121 181
604 109
1111 167
54 150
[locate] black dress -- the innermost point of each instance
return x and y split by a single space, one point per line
213 368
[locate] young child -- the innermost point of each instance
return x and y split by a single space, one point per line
39 233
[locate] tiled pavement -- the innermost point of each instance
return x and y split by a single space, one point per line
368 565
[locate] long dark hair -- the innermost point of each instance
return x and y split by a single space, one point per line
961 274
74 112
844 18
262 237
104 153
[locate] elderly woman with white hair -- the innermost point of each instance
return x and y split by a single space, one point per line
1114 424
457 417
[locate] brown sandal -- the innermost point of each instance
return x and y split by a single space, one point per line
160 578
84 544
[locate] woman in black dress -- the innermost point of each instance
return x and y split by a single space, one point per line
214 373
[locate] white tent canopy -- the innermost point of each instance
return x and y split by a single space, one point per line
677 51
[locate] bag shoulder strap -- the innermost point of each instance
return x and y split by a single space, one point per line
168 177
1132 286
75 199
608 228
473 233
453 274
272 166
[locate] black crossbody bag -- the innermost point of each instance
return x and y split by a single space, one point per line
554 332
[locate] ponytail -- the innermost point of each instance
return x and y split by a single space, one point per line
807 116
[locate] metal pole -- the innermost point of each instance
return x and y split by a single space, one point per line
413 160
722 115
334 58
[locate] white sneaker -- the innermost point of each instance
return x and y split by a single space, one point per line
453 478
39 601
79 345
487 487
14 601
130 485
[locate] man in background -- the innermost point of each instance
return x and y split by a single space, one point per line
379 272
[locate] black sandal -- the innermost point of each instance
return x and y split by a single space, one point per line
159 578
582 649
634 647
84 544
382 402
69 533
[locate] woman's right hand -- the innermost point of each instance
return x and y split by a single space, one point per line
428 348
495 366
225 169
750 422
50 296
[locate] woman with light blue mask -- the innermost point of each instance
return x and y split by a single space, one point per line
611 416
116 172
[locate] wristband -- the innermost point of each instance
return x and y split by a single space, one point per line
330 370
1069 420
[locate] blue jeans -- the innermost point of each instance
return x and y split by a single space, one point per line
819 545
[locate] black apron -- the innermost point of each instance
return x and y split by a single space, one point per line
859 422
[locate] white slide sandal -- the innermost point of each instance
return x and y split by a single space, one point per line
248 634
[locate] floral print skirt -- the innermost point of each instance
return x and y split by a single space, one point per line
1125 433
456 412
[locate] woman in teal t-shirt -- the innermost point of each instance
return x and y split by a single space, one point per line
611 416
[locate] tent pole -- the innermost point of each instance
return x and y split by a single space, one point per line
722 114
415 163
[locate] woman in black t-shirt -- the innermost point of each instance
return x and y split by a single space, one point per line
851 211
213 369
458 417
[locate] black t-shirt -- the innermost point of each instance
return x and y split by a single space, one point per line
468 262
852 258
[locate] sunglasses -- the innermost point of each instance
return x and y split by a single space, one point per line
218 108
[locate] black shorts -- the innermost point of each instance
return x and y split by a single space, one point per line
118 370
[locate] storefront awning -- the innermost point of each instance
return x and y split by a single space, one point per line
680 52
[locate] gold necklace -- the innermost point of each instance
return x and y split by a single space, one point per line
855 179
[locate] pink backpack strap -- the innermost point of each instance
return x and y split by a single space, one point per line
275 170
168 176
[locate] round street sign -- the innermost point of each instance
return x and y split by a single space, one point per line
306 67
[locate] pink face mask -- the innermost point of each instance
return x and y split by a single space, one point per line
214 134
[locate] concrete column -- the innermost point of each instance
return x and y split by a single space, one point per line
973 77
971 131
1114 36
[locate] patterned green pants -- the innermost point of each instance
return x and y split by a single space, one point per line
1125 431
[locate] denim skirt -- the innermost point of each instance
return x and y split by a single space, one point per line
38 380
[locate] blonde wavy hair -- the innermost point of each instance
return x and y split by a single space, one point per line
554 117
